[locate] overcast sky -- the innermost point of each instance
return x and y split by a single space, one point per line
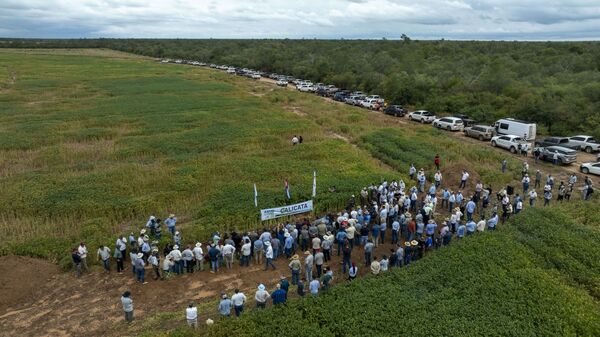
420 19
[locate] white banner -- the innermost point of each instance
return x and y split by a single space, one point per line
272 213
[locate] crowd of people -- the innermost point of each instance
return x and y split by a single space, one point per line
419 218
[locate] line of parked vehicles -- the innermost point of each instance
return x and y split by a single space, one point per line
516 136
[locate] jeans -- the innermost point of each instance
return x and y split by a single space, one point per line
339 247
238 310
327 254
189 266
275 253
469 216
229 260
129 316
295 276
269 262
304 244
450 206
382 236
363 240
319 270
119 265
245 261
394 236
106 264
171 230
463 184
140 272
367 259
199 265
78 269
214 265
309 273
288 252
345 263
156 272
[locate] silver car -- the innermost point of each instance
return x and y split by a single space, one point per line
564 154
481 132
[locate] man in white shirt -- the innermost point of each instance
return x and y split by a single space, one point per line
191 314
122 246
308 264
261 297
246 251
104 255
463 179
228 251
238 299
82 251
199 256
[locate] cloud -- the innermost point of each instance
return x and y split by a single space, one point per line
426 19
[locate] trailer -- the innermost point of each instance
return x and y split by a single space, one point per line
510 126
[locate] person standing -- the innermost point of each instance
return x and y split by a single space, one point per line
228 251
191 315
213 255
375 266
121 245
463 179
246 253
279 296
295 267
436 161
103 254
261 297
525 182
154 261
225 306
199 256
314 287
171 221
504 165
82 250
187 256
346 256
118 256
140 270
269 256
319 261
538 179
127 303
300 289
238 299
369 246
76 261
308 264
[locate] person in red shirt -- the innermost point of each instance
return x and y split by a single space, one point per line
436 161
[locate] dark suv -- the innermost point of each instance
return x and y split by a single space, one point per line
341 95
556 141
395 110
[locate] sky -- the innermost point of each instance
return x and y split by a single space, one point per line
327 19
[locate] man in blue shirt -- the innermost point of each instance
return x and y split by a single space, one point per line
471 225
289 243
171 221
279 296
460 231
470 209
431 227
340 237
492 222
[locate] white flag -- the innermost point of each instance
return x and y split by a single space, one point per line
314 194
255 196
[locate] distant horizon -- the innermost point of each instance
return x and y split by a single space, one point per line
462 20
298 39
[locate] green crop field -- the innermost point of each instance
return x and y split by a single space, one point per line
95 141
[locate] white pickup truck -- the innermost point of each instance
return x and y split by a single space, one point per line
511 143
586 143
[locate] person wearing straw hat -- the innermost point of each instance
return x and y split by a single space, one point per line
261 296
199 256
326 244
140 266
246 252
171 221
177 260
288 245
414 249
154 261
375 266
296 267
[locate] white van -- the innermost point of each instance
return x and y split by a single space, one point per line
510 126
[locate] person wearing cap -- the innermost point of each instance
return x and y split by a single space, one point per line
118 256
279 296
151 224
246 251
171 221
225 306
127 303
326 244
198 256
140 266
295 266
258 250
228 251
269 256
191 316
308 264
103 254
154 261
369 246
261 297
238 299
82 250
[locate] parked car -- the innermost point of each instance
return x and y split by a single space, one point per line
282 83
481 132
331 90
565 155
422 116
354 99
556 141
395 110
305 88
593 168
467 121
372 103
511 143
449 123
586 143
377 98
255 76
340 96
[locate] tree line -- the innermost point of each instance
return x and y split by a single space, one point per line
556 84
